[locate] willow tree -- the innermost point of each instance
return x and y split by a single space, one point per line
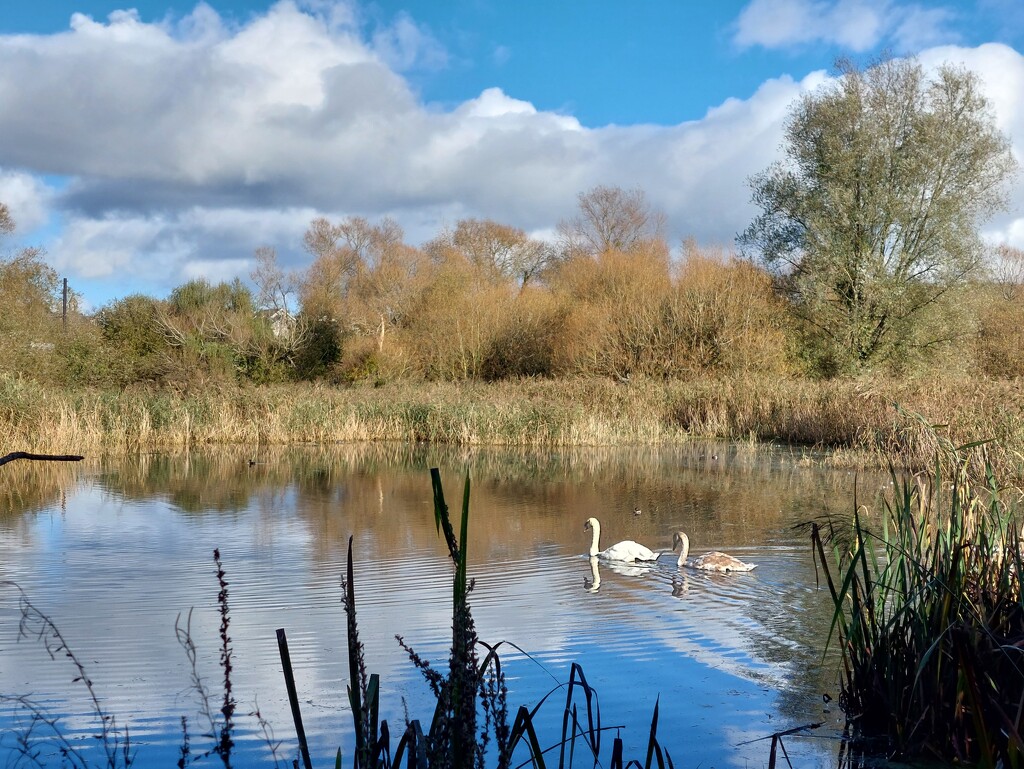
870 221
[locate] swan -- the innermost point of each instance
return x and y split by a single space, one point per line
709 561
627 550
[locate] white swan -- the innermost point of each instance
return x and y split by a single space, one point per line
627 550
709 561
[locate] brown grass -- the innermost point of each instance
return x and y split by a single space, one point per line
868 419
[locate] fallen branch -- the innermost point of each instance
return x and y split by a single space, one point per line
41 457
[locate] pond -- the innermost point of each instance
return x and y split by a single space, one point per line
115 552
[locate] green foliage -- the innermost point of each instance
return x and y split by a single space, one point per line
930 614
200 302
217 337
321 349
132 328
30 320
873 216
133 325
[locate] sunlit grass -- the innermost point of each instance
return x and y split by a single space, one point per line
858 419
929 617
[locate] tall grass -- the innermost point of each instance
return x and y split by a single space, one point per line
859 418
929 616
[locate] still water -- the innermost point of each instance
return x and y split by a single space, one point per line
114 552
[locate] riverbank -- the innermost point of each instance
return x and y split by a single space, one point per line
861 421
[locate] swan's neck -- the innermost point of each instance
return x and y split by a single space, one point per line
595 538
684 548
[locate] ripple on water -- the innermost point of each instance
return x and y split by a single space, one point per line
721 651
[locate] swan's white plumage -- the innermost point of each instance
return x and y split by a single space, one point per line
627 550
709 561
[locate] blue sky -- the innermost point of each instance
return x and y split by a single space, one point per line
148 143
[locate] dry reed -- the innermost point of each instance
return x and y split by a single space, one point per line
870 420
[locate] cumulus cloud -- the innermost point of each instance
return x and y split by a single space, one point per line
26 197
855 25
404 45
182 146
212 243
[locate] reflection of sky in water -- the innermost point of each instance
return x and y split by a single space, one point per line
730 658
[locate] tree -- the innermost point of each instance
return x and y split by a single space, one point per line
30 290
498 251
132 327
217 335
6 220
611 219
871 220
357 288
275 289
273 285
1008 271
341 252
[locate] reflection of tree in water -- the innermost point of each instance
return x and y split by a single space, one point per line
724 494
526 504
28 487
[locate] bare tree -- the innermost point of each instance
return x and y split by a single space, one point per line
341 252
498 251
6 220
611 219
275 289
273 285
1008 271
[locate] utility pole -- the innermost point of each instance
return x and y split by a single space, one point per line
64 311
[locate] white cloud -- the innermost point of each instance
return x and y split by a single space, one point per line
26 197
1011 233
855 25
922 27
171 248
404 45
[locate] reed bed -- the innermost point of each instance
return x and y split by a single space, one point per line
929 617
878 421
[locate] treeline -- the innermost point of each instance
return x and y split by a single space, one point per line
481 301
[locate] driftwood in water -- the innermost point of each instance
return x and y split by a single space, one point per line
42 457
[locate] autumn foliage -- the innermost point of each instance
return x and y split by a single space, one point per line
611 298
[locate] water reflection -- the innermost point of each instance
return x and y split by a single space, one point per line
735 658
593 583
